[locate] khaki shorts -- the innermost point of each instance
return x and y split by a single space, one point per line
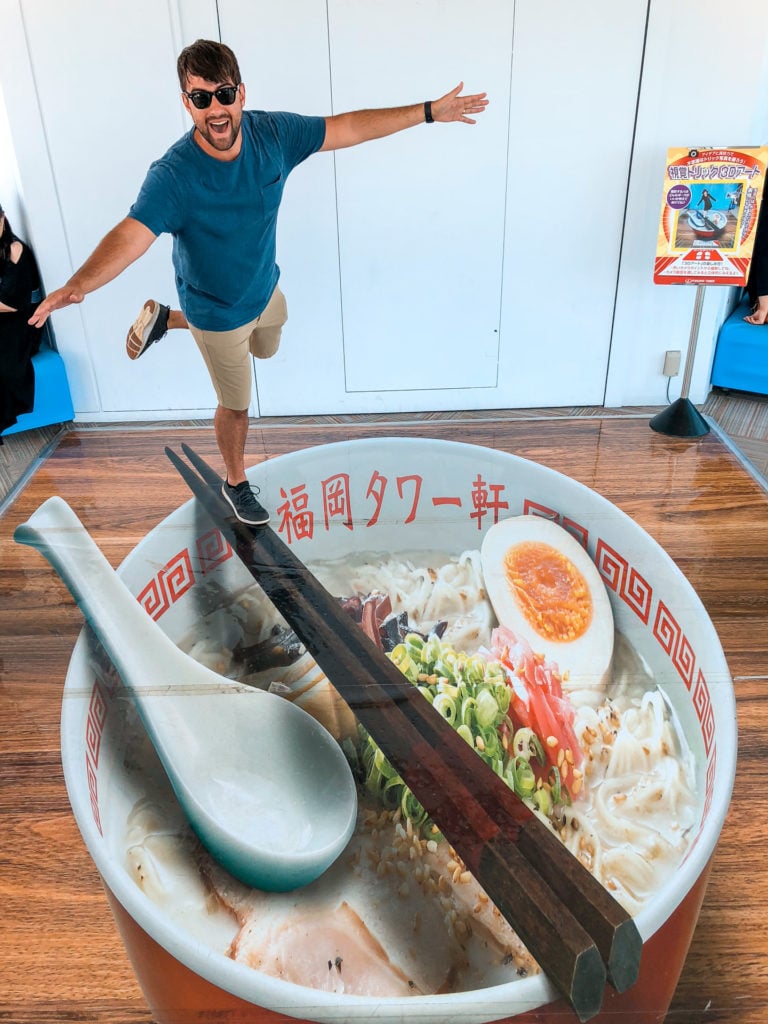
227 354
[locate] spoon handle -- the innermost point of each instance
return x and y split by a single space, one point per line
108 606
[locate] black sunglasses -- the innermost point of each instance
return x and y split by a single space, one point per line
201 98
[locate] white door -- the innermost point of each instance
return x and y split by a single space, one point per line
421 214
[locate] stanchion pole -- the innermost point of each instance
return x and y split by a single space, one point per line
682 418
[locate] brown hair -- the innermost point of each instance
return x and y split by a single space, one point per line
210 60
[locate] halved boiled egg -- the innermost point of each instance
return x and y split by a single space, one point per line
544 587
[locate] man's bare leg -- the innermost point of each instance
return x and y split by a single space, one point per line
231 428
176 319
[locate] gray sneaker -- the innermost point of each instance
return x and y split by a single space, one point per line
149 326
244 504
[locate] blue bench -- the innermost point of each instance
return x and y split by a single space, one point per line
741 354
53 402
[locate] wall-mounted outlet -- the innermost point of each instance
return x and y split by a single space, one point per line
672 363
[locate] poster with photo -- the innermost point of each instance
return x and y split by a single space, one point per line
709 215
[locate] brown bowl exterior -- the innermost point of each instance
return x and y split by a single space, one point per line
176 995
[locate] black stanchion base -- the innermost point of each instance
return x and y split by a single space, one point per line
681 419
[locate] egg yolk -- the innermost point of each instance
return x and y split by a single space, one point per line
551 592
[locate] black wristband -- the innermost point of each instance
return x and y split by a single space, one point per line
428 112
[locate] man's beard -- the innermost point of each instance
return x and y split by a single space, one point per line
222 142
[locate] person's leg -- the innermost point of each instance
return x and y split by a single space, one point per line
231 428
267 328
228 359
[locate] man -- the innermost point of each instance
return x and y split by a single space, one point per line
217 191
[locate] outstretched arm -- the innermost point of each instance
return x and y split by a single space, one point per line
344 130
117 250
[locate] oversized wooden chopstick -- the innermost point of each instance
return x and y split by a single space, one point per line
569 922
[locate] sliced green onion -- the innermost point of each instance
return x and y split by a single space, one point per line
543 800
466 734
412 809
554 781
446 705
525 743
487 709
468 710
402 658
474 696
430 651
524 779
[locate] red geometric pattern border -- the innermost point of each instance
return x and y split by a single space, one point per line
579 533
704 711
533 508
171 583
94 728
212 549
709 784
667 631
624 580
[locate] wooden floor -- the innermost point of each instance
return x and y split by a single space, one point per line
62 959
740 417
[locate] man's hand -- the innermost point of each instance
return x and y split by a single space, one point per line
56 300
118 249
453 107
358 126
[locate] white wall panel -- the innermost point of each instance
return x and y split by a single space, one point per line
109 102
575 79
421 214
43 214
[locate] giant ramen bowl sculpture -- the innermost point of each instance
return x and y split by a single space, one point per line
388 497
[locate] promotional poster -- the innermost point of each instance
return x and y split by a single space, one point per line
709 215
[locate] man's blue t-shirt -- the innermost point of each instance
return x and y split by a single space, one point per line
223 215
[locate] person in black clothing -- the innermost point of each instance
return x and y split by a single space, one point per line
757 282
19 298
707 200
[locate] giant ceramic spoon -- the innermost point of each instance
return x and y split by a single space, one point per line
265 787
